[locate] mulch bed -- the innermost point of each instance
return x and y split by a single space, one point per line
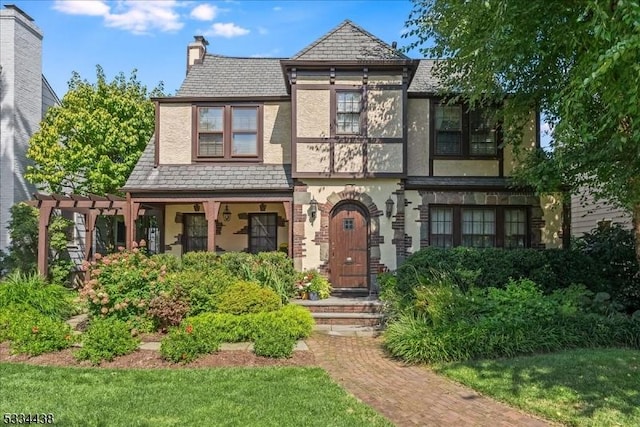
144 359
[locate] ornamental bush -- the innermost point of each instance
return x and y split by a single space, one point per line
33 333
106 339
186 342
122 285
33 291
274 339
202 288
200 261
244 297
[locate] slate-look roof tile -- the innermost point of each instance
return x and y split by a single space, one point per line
348 42
206 177
424 81
224 76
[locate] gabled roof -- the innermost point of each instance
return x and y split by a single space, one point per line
348 42
424 79
225 76
206 177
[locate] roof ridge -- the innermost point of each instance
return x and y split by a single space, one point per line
322 38
217 55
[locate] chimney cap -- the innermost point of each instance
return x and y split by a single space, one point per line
201 39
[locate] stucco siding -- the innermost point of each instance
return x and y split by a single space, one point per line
465 168
552 215
384 113
312 157
384 158
277 133
418 137
349 157
175 134
312 113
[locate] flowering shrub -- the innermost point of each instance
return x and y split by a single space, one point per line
33 333
122 285
186 342
247 297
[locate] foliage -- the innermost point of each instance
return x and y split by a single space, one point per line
247 297
313 281
202 287
19 289
199 261
576 62
92 141
171 262
186 342
33 333
447 324
23 251
122 284
567 387
106 339
271 396
551 269
168 308
274 340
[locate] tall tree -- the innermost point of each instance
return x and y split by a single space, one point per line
92 141
578 62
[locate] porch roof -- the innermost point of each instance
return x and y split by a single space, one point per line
206 177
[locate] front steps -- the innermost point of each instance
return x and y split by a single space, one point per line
354 316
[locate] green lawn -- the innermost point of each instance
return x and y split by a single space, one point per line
182 397
579 387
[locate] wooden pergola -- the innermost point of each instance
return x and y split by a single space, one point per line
91 206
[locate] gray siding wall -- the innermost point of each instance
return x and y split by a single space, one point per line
20 107
586 213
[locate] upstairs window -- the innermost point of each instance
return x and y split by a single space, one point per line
348 111
228 133
462 133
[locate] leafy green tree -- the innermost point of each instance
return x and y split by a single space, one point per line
578 62
92 141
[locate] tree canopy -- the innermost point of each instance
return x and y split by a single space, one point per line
91 142
577 62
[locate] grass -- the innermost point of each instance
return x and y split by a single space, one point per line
182 397
593 387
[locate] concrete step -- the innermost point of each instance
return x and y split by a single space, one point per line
350 319
349 292
342 305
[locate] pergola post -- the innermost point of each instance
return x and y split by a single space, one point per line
211 209
43 239
131 211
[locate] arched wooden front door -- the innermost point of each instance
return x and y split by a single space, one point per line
349 247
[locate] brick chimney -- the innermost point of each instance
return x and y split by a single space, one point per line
196 51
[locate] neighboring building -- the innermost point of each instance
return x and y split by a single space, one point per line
25 96
342 155
587 214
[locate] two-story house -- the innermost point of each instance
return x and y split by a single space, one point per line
343 155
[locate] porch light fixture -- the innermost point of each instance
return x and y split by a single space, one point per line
196 207
313 209
226 214
389 207
263 207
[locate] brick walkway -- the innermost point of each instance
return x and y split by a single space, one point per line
408 395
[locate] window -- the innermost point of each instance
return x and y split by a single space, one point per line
348 109
228 133
195 233
478 226
462 133
263 232
347 224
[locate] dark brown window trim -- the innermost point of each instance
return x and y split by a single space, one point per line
465 144
499 216
249 236
335 90
227 132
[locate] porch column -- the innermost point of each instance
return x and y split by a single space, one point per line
287 214
43 238
130 213
89 228
211 209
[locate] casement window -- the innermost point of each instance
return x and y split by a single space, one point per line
195 233
462 133
263 232
228 133
478 226
348 112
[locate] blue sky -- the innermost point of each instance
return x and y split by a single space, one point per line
151 36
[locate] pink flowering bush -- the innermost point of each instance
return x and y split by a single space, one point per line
121 285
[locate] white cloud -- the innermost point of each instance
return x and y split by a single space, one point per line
138 17
89 7
204 12
226 29
269 54
277 9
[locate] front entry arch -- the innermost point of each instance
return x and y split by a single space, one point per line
349 246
